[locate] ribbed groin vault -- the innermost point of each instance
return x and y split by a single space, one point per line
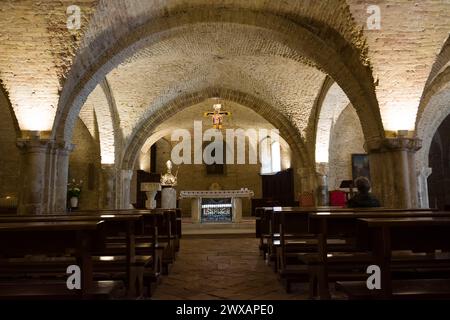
335 77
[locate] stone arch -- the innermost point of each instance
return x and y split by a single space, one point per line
438 79
437 109
114 120
438 83
351 73
145 129
441 62
5 98
101 105
346 139
9 153
332 105
165 143
434 108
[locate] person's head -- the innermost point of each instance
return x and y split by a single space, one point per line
362 184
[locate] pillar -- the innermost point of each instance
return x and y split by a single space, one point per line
33 164
322 184
392 170
107 194
125 189
422 186
168 198
308 180
44 166
61 176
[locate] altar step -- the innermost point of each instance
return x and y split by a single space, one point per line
245 228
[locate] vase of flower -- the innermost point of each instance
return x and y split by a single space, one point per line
74 202
73 193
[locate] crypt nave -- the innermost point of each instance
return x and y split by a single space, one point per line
203 113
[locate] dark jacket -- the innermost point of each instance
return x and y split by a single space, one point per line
363 200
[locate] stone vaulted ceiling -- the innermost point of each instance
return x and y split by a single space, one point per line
49 72
218 59
402 53
216 54
36 51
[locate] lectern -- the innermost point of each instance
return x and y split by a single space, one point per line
347 184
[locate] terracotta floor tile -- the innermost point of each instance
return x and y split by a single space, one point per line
230 268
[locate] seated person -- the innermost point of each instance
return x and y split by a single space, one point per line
363 199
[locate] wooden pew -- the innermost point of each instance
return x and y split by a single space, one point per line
81 237
161 231
270 240
418 234
295 240
335 225
110 260
147 247
262 229
271 217
174 221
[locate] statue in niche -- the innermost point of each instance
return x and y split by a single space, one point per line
168 179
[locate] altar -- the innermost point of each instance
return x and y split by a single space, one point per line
216 206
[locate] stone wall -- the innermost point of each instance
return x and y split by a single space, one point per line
9 153
85 165
346 138
195 177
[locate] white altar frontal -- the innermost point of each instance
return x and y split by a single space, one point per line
216 206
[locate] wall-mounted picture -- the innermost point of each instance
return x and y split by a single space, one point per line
360 166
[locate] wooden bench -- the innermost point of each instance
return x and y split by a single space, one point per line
350 261
57 290
120 259
271 217
426 289
417 234
164 224
80 238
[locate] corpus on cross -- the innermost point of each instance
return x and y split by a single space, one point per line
217 115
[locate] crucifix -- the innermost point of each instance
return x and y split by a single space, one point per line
217 115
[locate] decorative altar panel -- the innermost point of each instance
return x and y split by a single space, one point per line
216 206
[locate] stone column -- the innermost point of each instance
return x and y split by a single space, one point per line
168 198
63 151
196 208
308 180
422 186
392 170
33 184
322 184
125 188
107 199
237 209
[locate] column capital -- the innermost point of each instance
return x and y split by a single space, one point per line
306 171
108 167
127 173
34 144
424 172
393 144
322 168
64 147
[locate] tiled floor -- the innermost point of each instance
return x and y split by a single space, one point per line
228 268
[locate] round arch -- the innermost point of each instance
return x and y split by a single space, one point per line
354 77
4 96
437 110
148 125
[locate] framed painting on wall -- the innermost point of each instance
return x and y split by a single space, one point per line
360 166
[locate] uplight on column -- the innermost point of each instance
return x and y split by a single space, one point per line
399 116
